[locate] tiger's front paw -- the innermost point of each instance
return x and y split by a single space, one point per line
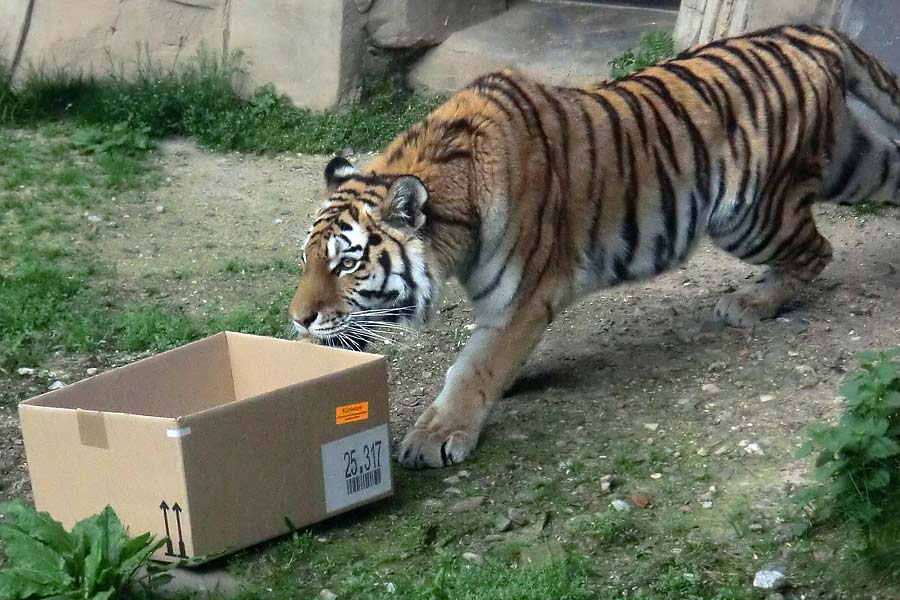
437 441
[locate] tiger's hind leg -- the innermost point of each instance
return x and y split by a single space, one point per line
780 234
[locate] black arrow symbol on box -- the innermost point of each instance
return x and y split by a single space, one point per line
177 510
165 508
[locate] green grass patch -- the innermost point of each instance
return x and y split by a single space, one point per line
198 99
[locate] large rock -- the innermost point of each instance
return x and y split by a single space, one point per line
421 23
311 51
95 36
562 44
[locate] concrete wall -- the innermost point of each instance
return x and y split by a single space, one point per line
872 23
311 50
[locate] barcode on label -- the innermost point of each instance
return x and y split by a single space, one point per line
363 481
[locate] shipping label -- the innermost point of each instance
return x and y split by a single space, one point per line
356 468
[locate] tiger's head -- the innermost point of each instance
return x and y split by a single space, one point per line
365 264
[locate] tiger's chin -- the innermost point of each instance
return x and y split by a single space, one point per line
345 342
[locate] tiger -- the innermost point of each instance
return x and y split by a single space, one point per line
534 196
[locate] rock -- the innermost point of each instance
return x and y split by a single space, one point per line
757 527
656 476
200 582
766 398
754 449
277 221
92 371
94 219
467 504
770 578
160 208
606 478
702 452
472 557
453 491
605 487
541 555
504 524
620 505
452 480
56 385
527 496
327 594
717 366
706 504
25 371
803 369
710 388
517 516
390 588
417 24
463 473
651 426
721 450
640 501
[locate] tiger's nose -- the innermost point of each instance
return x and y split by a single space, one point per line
307 320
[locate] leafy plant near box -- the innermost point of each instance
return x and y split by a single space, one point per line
858 466
654 47
97 560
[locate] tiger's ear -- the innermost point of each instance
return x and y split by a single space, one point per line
337 171
405 202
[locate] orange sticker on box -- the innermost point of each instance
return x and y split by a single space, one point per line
351 412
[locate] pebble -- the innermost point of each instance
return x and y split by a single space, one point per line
25 371
651 426
766 398
56 385
390 588
92 371
604 487
640 501
710 388
721 450
717 366
160 208
277 221
706 504
702 452
452 480
463 473
620 505
94 219
453 491
327 594
472 557
467 504
656 476
504 524
517 516
754 449
770 578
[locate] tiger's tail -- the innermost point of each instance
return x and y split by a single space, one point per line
866 160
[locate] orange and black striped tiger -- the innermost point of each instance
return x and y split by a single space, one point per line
533 196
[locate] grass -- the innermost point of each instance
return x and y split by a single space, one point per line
198 99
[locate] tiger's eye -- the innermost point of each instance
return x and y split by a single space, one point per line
348 263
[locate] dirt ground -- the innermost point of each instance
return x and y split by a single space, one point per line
642 363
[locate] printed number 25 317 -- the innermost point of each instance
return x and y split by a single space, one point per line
362 460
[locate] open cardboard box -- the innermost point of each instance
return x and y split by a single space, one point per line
217 445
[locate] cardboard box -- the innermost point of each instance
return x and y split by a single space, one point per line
217 445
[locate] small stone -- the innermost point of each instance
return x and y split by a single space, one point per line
766 398
390 588
517 516
467 504
754 449
472 557
277 220
92 371
721 450
526 496
803 369
504 524
463 473
606 478
327 594
620 505
685 508
56 385
706 504
94 219
770 578
717 366
702 452
656 476
757 527
710 388
25 371
470 327
651 426
452 480
604 487
160 208
640 501
453 491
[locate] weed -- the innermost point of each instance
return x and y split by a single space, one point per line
97 560
865 209
654 47
859 459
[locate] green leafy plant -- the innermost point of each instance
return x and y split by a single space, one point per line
97 560
654 47
858 465
120 138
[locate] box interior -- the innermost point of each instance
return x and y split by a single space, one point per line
224 368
